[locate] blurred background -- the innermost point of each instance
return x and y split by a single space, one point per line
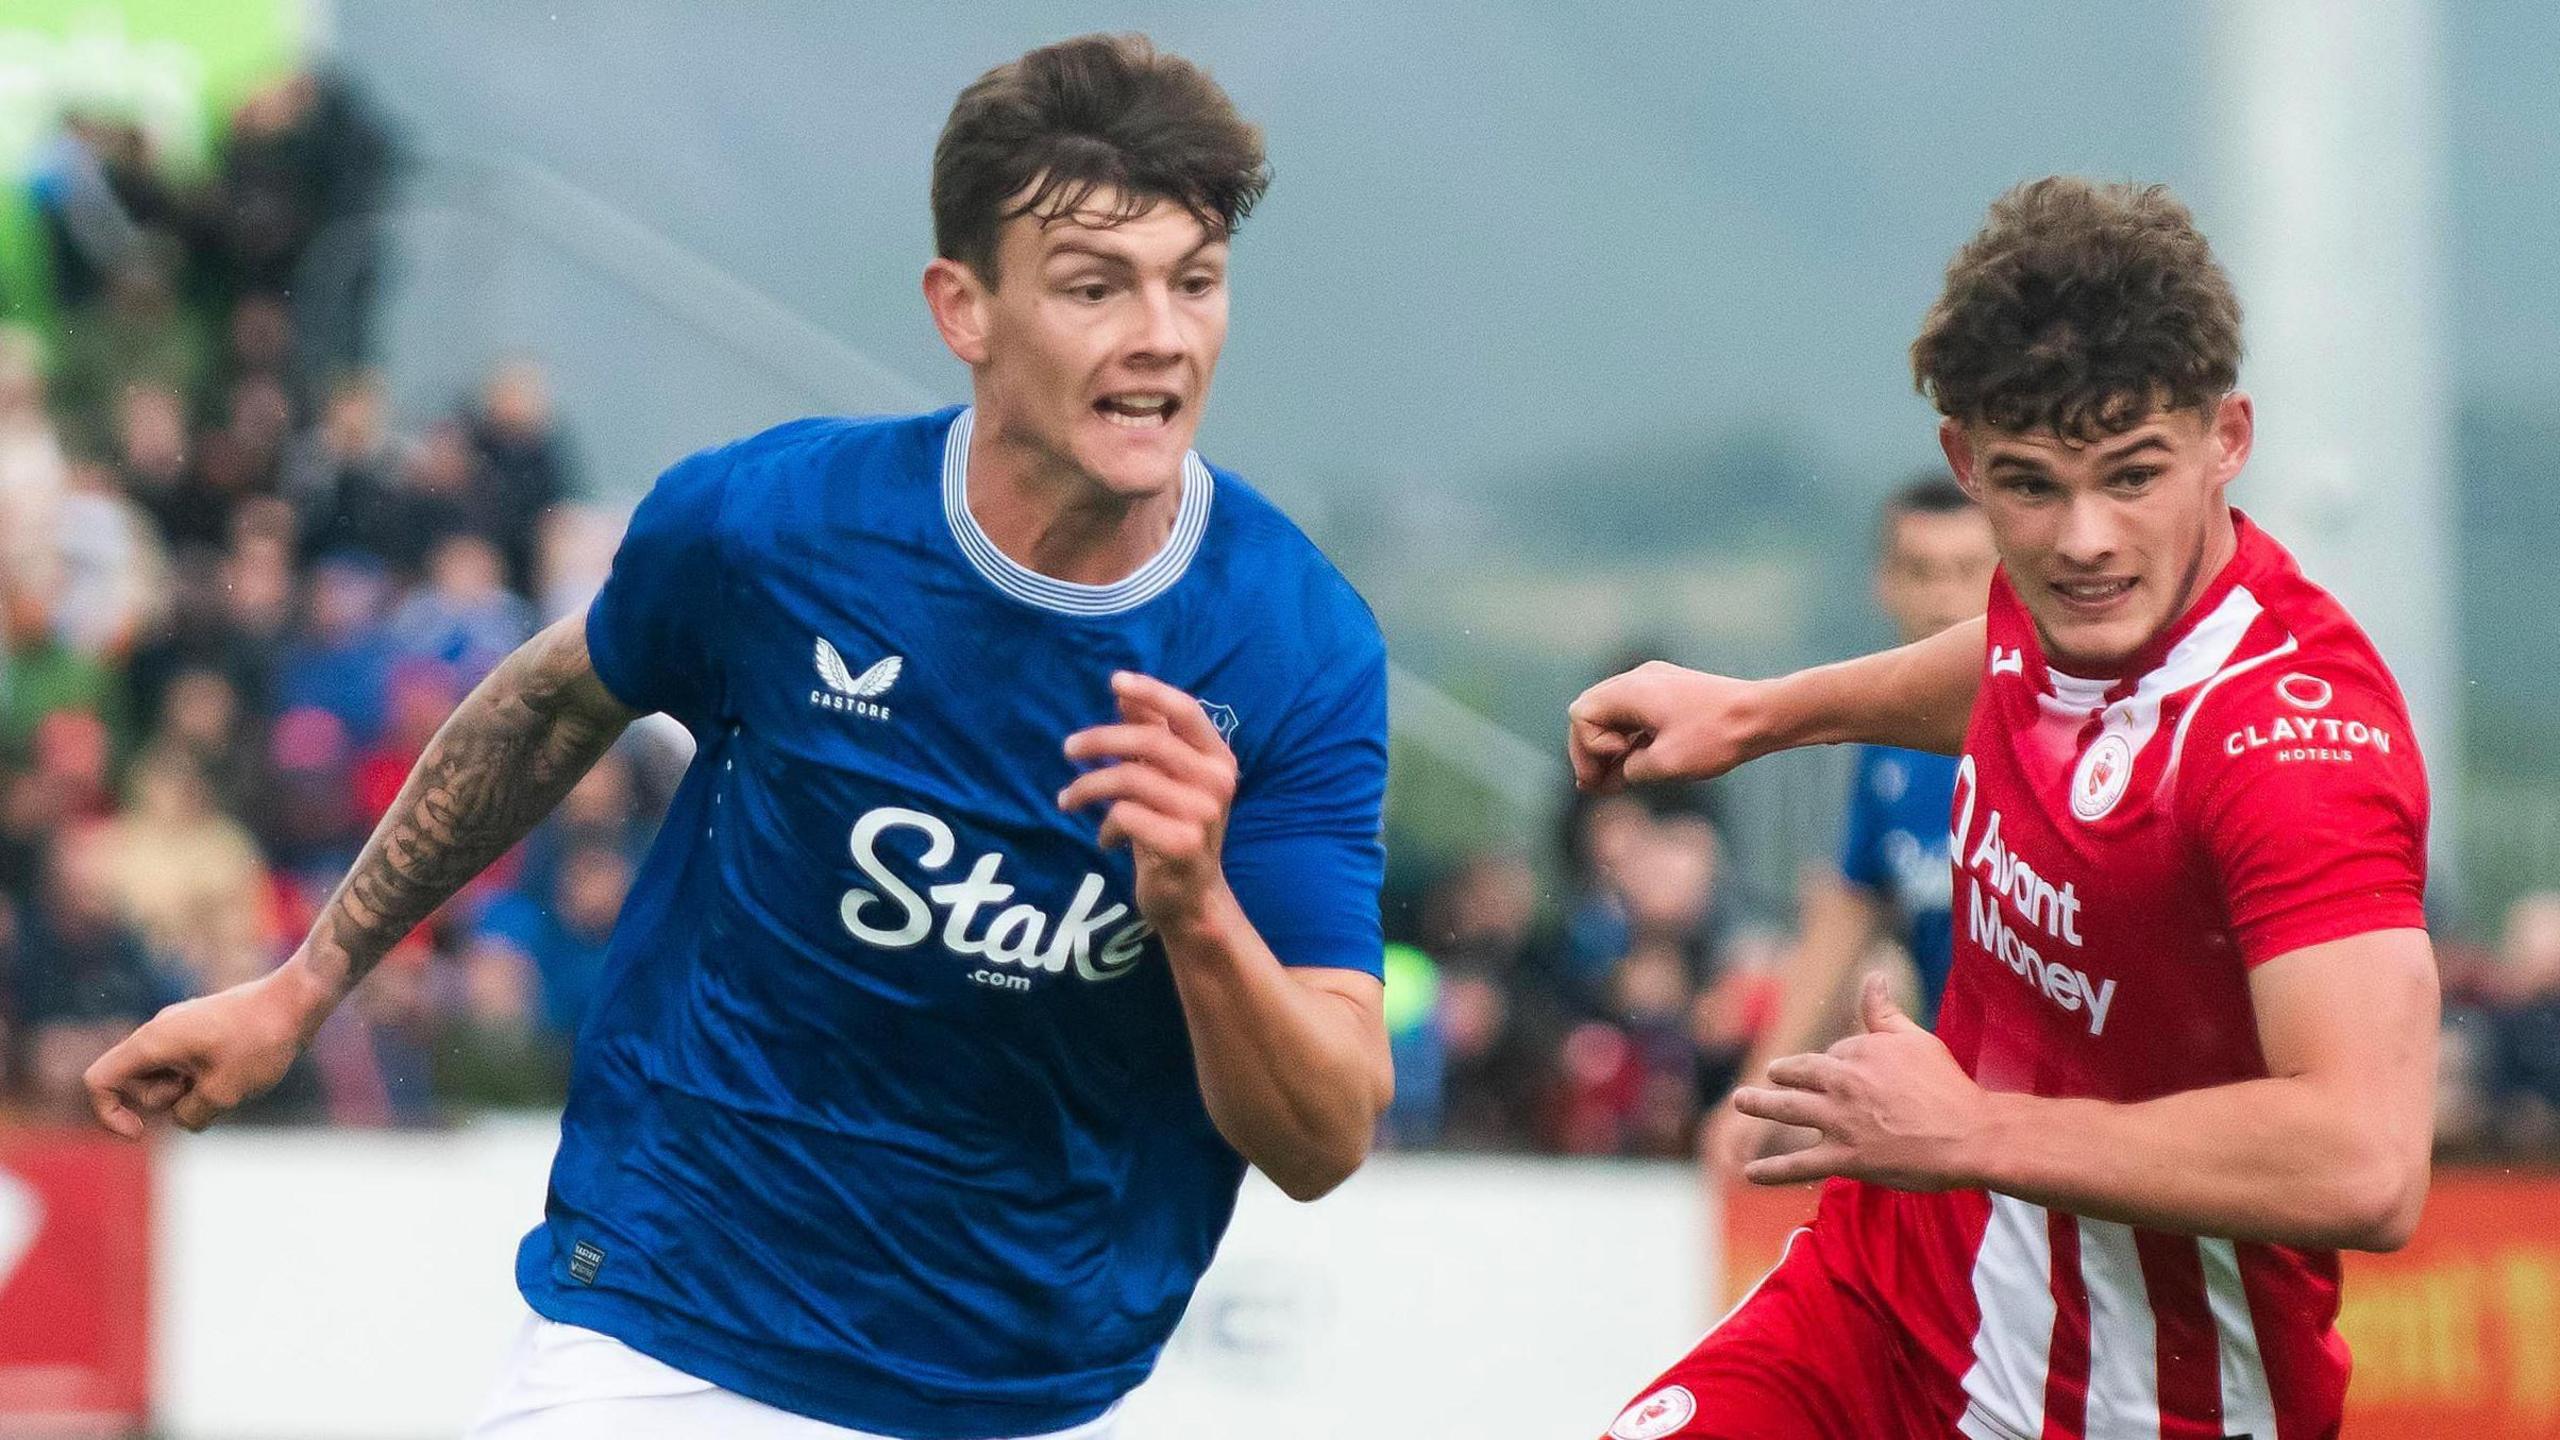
338 336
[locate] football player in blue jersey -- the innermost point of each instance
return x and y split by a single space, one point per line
1023 888
1933 569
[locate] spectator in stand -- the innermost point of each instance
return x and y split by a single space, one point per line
33 473
259 341
242 463
200 717
523 465
434 501
46 676
100 199
463 615
88 977
63 783
138 335
416 700
310 822
113 583
341 475
576 546
340 661
307 166
493 1048
13 973
154 464
561 931
229 615
259 590
188 878
2522 1069
602 811
1606 841
1668 1005
1501 1013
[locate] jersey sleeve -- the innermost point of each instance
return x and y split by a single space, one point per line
1862 858
2313 821
652 631
1304 850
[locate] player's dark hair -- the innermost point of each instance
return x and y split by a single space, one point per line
2078 310
1045 134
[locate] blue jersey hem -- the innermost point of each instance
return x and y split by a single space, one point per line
887 1406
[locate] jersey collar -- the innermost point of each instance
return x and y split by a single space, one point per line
2249 555
1069 597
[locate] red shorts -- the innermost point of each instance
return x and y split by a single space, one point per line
1803 1357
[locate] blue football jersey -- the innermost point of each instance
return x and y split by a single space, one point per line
1895 846
885 1112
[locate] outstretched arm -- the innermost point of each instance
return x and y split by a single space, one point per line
1661 722
2329 1151
504 758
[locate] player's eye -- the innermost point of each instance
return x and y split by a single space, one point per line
2135 479
1199 284
1092 292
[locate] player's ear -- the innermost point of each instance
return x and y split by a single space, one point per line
958 299
2235 430
1958 448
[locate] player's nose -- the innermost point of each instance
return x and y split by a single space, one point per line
1157 333
2087 537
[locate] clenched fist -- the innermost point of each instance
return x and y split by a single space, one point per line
1661 722
200 1058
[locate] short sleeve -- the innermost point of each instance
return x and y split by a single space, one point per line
1304 850
652 631
2313 821
1862 858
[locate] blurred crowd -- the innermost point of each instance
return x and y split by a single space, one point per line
236 598
1606 1016
2500 1092
1593 1018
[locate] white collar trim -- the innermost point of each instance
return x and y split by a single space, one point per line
1069 597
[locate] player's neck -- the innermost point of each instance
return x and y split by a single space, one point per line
2221 547
1048 516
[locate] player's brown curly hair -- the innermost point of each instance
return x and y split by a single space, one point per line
1046 134
2080 309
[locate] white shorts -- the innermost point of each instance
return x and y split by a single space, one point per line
565 1383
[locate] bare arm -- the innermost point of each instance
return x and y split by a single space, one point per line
505 757
1661 722
500 762
1293 1061
2329 1151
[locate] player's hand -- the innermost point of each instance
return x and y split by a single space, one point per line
1892 1105
199 1058
1732 1140
1661 722
1169 780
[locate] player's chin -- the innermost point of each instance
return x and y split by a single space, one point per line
1136 460
2100 643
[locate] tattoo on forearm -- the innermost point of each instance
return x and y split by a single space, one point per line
505 757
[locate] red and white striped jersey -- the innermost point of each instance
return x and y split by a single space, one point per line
2126 848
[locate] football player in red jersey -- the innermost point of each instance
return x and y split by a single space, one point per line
2187 1052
